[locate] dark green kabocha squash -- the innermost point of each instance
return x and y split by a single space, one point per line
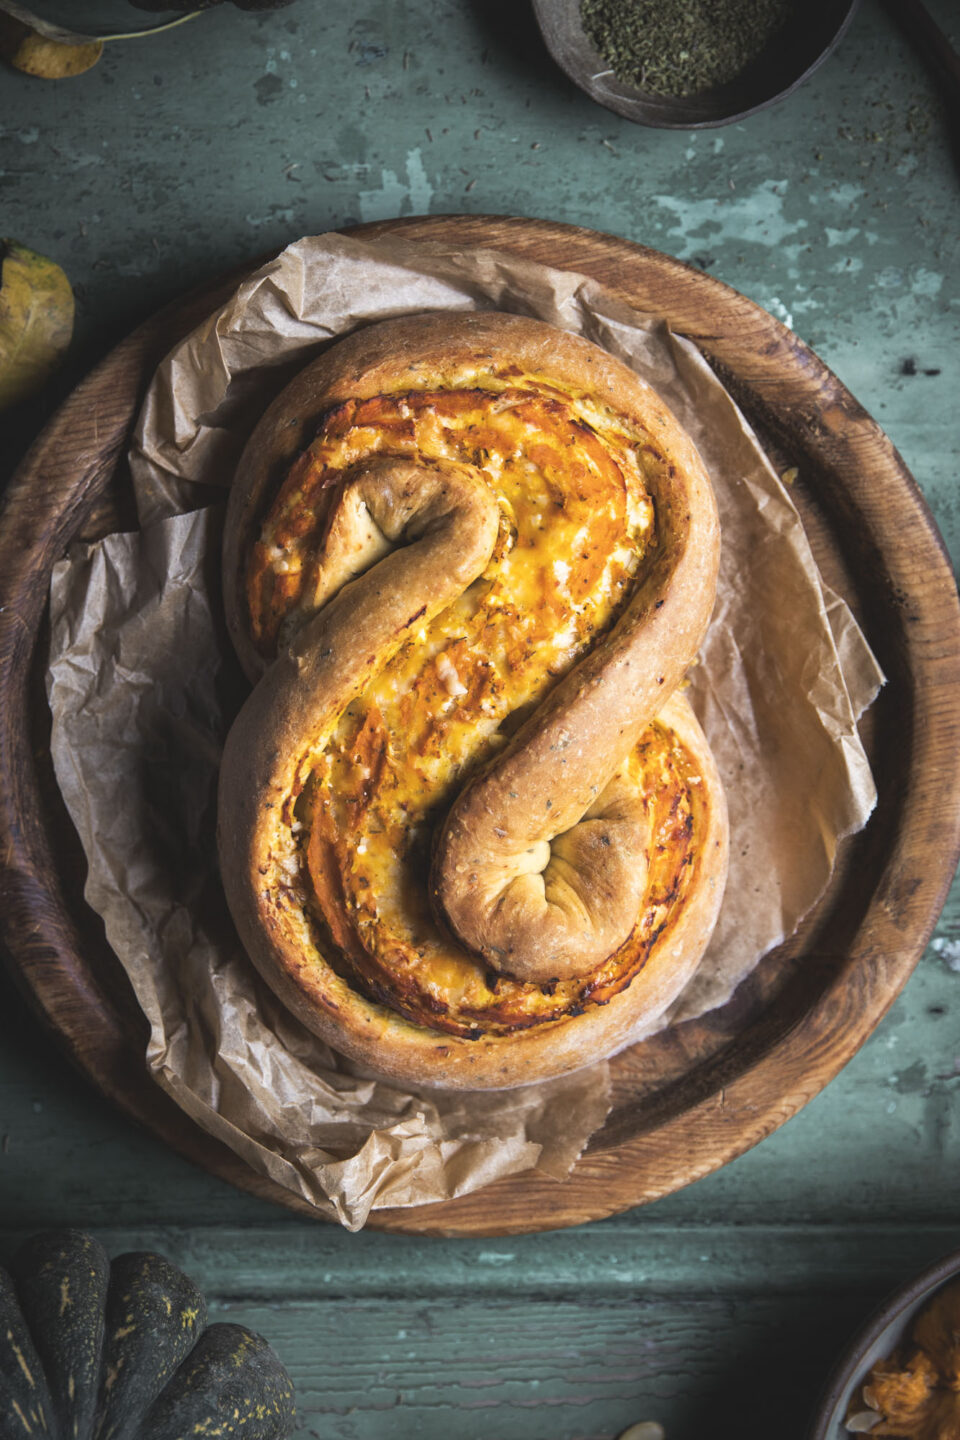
148 1297
94 1350
24 1396
62 1281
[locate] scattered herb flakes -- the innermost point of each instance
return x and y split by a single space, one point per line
681 47
36 322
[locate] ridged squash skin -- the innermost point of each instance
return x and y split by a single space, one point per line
155 1315
61 1278
25 1407
231 1384
91 1350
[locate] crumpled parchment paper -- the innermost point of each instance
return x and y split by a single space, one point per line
142 687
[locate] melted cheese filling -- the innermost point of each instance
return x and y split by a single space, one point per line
576 524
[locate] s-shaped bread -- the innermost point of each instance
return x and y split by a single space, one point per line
470 831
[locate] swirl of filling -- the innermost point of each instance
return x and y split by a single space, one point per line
462 786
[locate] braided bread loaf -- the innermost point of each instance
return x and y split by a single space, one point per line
470 830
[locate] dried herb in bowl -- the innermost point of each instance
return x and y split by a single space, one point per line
681 47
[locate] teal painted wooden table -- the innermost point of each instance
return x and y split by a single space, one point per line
720 1308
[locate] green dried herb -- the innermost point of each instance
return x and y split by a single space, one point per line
681 47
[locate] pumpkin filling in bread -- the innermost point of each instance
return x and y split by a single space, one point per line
574 527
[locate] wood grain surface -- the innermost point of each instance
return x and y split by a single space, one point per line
693 1098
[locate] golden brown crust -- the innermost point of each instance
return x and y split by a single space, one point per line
604 705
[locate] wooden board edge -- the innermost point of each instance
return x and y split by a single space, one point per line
440 1223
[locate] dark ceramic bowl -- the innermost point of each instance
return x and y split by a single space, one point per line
793 55
880 1336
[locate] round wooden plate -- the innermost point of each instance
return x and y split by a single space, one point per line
694 1097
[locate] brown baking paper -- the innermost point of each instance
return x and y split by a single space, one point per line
142 686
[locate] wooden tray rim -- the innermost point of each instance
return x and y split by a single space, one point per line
39 931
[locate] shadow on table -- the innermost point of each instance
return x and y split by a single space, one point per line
513 43
772 1386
